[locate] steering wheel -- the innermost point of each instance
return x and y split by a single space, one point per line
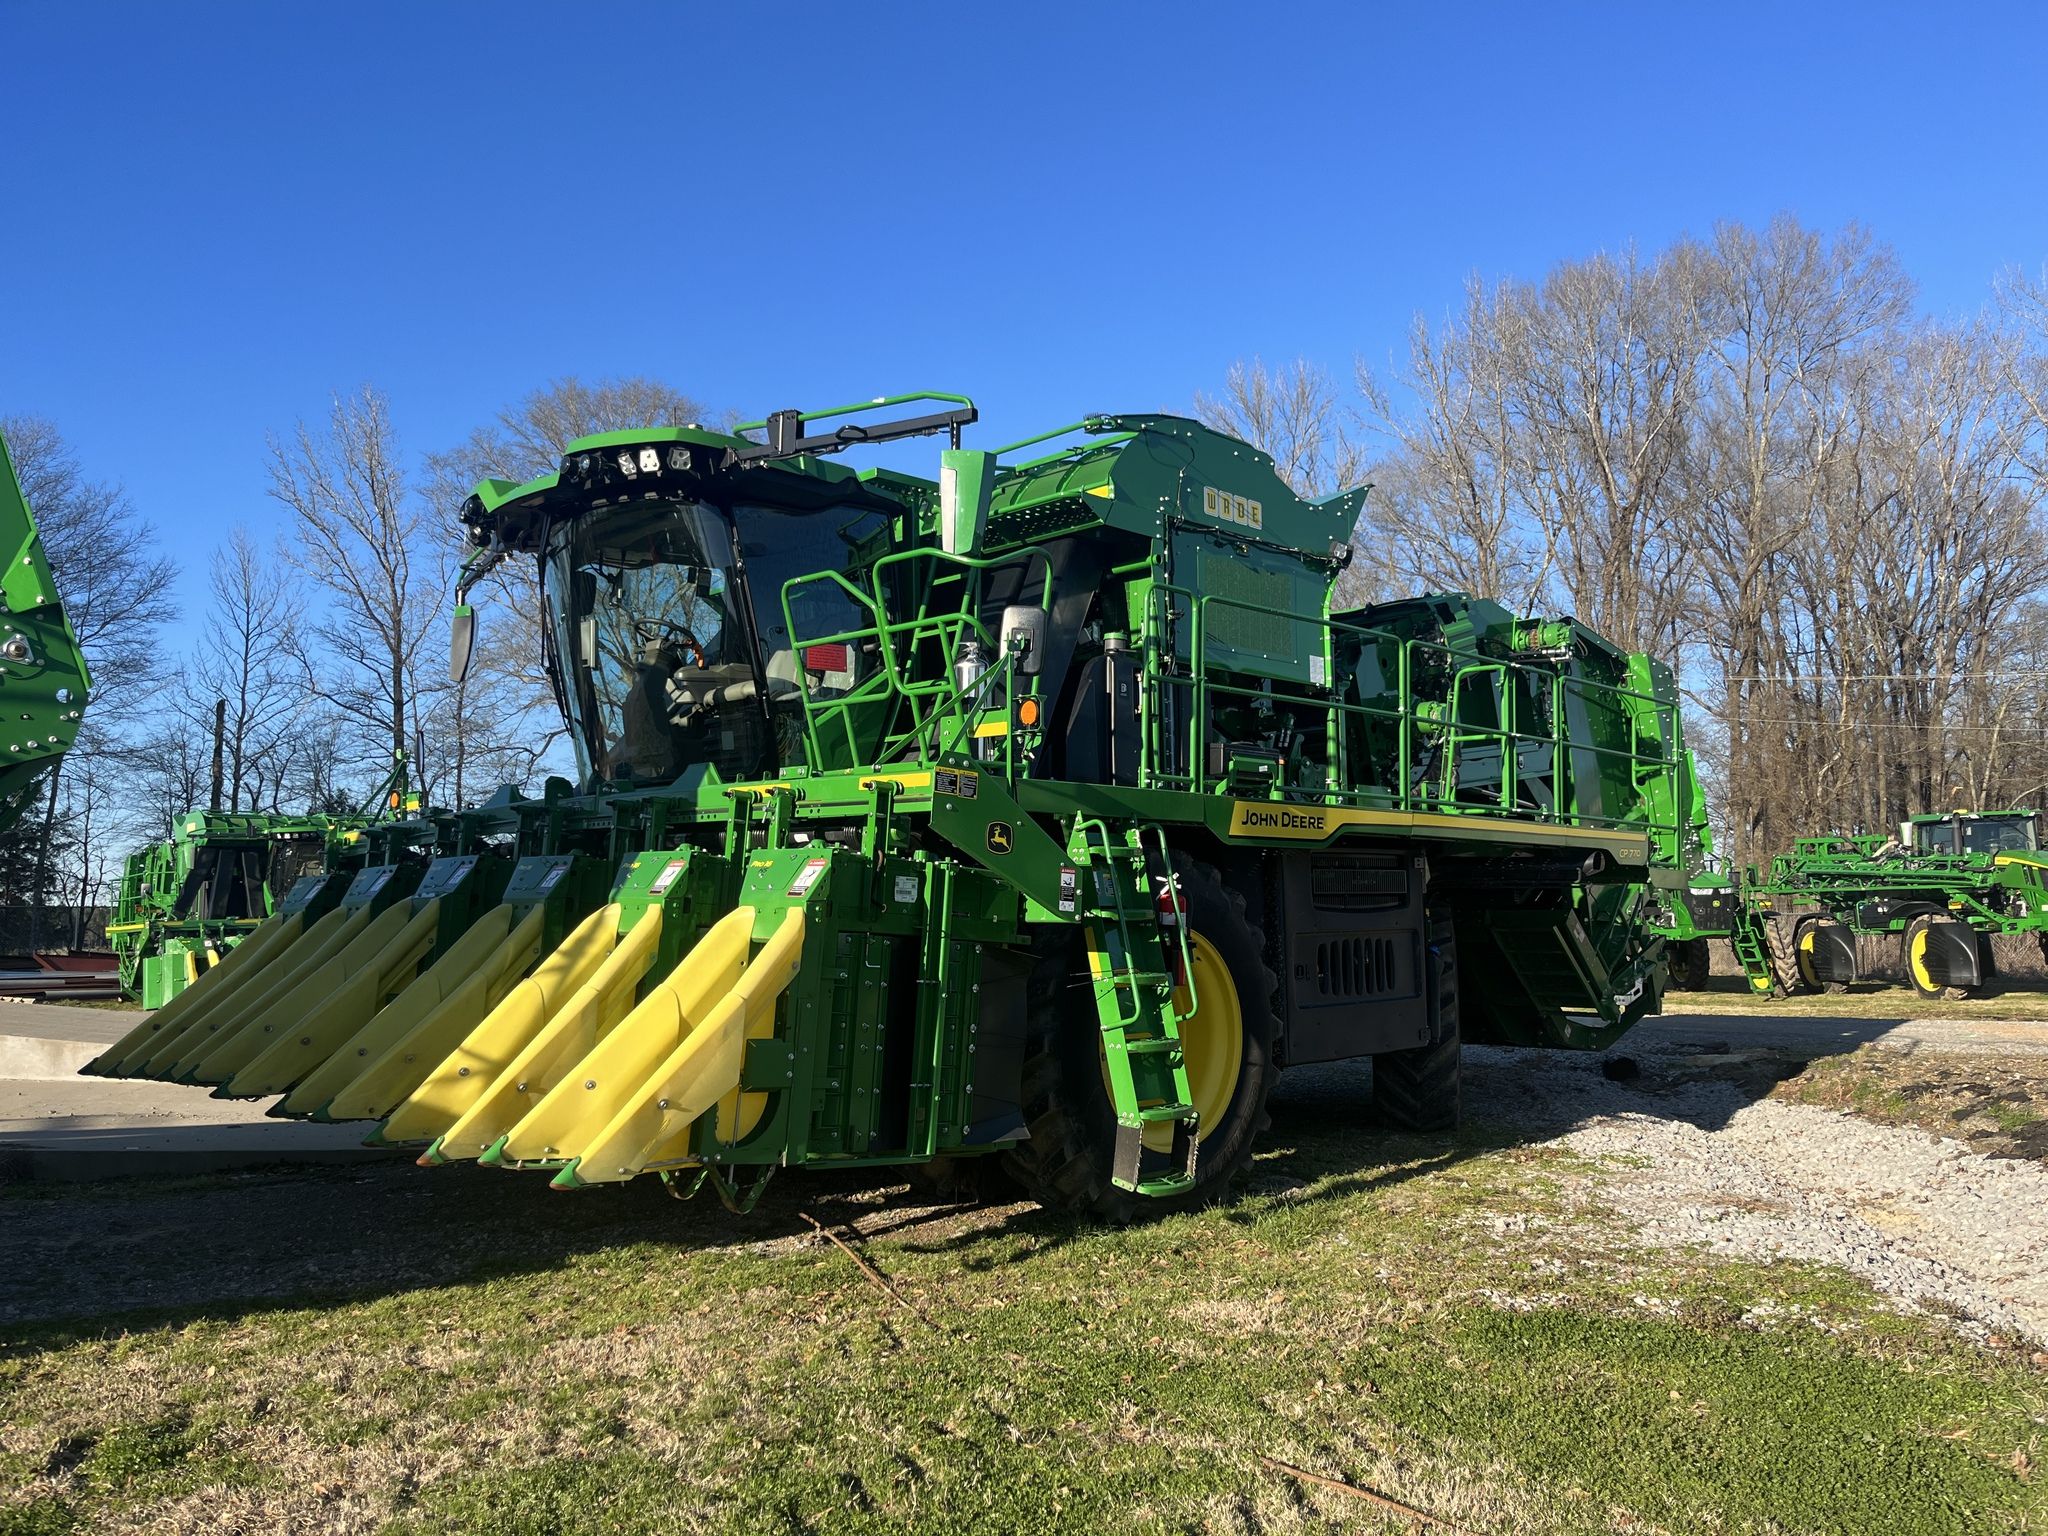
654 629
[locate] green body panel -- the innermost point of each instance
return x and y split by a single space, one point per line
43 678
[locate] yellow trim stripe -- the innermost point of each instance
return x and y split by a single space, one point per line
907 780
1313 823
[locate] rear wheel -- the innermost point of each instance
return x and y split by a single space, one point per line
1420 1089
1227 1044
1802 954
1917 971
1691 962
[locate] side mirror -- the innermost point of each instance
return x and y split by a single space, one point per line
1021 621
461 641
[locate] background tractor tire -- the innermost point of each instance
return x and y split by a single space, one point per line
1691 962
1779 936
1913 975
1419 1089
1065 1165
1809 982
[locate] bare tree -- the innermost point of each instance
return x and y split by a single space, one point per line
246 659
372 551
1744 453
1293 414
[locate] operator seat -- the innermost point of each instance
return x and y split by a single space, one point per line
646 739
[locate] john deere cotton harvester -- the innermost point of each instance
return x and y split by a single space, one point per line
185 902
1044 810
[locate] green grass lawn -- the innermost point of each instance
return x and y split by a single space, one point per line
1452 1324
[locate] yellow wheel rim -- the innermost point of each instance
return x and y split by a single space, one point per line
1804 945
1211 1042
1212 1037
1916 959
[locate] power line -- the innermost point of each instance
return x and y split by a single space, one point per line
2003 675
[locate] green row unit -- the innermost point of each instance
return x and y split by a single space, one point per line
1945 884
1041 810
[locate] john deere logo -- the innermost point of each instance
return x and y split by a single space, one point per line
999 837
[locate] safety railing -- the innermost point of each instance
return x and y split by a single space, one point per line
1438 761
944 707
1432 754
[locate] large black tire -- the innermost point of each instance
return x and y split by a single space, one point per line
1421 1089
1780 939
1809 982
1691 962
1066 1163
1913 978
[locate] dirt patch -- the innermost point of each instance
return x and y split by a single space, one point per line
1994 1104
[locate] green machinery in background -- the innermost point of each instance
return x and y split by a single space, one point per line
1707 903
1040 810
43 680
1945 884
185 902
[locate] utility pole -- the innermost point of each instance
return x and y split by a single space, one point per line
220 732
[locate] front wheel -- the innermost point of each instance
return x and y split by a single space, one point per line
1691 962
1917 971
1227 1043
1802 951
1783 956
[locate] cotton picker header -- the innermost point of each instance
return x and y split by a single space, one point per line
1042 810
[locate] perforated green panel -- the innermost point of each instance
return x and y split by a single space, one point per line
1247 639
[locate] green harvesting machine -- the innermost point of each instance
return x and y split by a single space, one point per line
43 680
185 902
1043 809
1706 903
1945 885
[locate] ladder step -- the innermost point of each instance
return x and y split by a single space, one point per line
1137 978
1150 1047
1167 1112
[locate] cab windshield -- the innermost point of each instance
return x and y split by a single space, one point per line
1998 834
1978 834
670 639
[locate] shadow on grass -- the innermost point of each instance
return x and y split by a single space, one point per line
86 1260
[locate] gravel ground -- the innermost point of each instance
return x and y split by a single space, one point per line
1919 1217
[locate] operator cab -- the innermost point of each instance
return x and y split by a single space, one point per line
1970 832
677 637
671 638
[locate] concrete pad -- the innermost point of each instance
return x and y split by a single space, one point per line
71 1129
48 1040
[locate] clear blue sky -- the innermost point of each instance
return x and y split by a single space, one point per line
220 213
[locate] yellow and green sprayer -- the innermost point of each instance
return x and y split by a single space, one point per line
1944 886
1040 809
